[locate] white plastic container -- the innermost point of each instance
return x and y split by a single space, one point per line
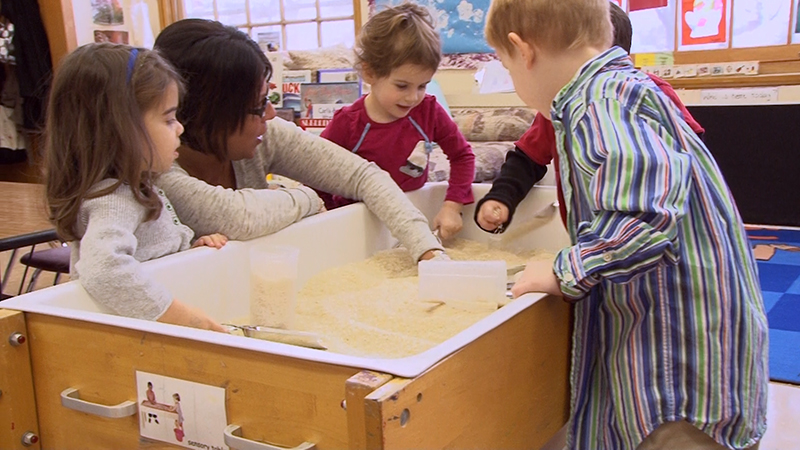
462 282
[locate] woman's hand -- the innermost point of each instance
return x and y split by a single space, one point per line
448 221
180 313
436 255
538 276
322 207
215 240
492 214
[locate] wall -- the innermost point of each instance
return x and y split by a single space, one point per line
460 88
757 150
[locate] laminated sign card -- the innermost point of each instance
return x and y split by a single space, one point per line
181 412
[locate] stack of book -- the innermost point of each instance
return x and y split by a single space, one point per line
312 102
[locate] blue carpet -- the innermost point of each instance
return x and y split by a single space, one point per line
778 254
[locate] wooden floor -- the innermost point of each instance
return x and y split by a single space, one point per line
29 171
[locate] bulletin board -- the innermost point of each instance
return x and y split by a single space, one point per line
755 41
459 22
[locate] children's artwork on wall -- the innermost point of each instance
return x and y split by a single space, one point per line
107 12
639 5
621 3
132 22
113 36
459 22
654 28
704 24
759 23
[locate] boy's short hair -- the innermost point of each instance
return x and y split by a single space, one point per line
554 25
623 30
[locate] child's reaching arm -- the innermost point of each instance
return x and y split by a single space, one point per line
107 265
524 167
462 173
517 176
448 220
180 313
634 225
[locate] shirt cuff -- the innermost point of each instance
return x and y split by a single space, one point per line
568 268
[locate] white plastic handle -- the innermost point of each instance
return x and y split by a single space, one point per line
233 439
71 398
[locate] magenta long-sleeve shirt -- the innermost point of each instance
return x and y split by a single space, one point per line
389 144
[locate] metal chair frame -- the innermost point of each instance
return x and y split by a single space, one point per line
14 244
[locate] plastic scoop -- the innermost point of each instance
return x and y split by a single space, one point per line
291 337
468 285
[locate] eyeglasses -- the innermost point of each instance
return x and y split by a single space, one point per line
261 110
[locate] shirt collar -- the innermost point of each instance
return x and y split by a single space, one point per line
615 57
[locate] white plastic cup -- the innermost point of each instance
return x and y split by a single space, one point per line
273 285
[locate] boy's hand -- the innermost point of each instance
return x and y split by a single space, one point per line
492 214
448 221
180 313
215 240
537 277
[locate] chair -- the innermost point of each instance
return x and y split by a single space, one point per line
31 240
54 259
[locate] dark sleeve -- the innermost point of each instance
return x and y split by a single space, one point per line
517 176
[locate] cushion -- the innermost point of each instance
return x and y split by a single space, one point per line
335 57
493 124
489 157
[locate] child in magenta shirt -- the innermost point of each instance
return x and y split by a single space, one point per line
396 124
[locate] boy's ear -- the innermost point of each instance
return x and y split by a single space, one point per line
526 50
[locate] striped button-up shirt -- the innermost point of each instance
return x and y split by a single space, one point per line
669 320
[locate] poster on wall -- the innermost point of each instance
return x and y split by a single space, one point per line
132 22
459 22
796 23
621 3
758 23
653 28
107 12
704 24
113 36
639 5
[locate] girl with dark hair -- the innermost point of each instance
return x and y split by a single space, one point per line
232 141
111 128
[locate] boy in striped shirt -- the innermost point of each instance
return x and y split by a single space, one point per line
670 334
